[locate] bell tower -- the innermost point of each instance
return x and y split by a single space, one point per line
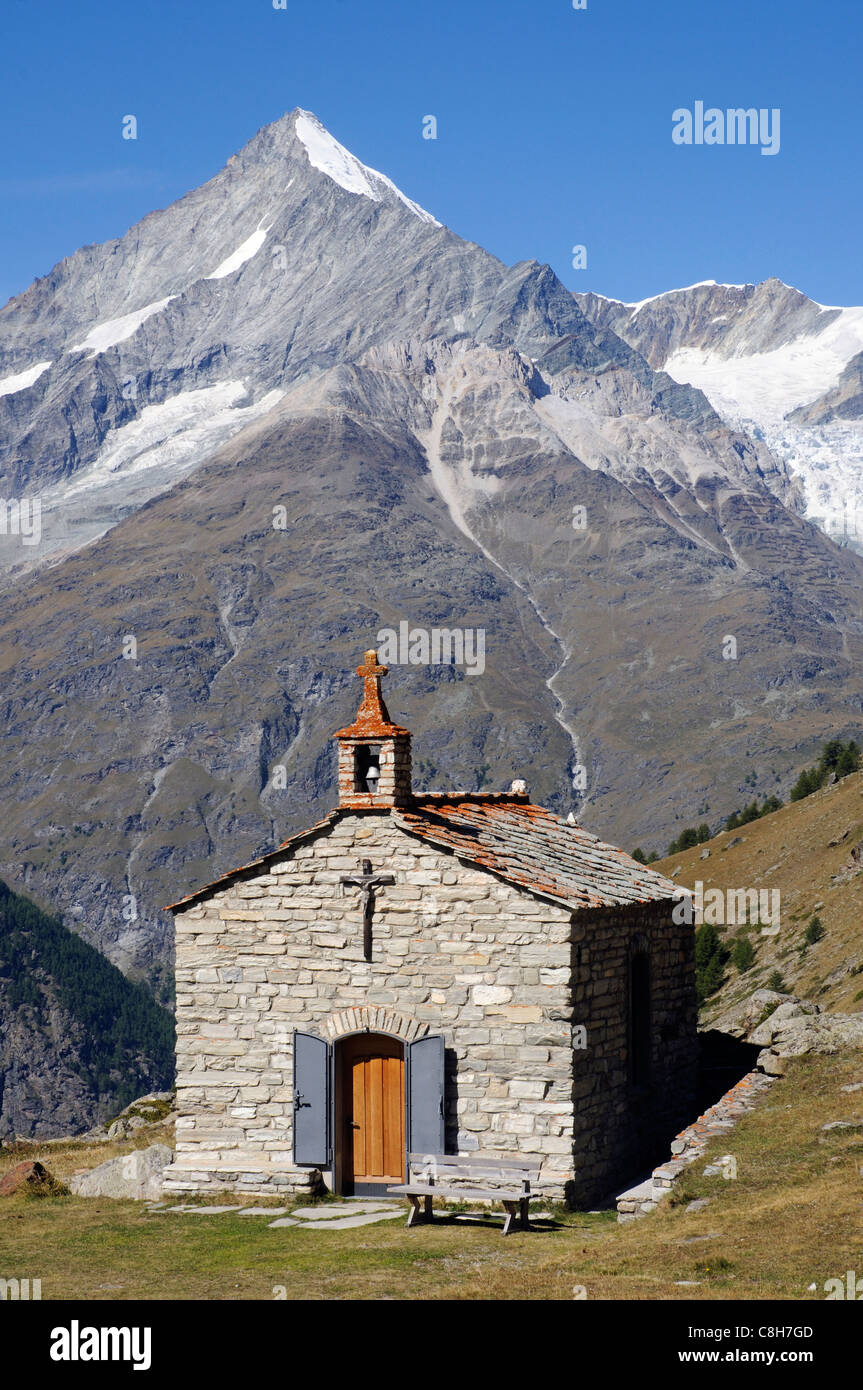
374 753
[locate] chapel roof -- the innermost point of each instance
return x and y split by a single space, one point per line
526 845
502 832
534 849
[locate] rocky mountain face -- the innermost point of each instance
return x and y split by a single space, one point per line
291 411
76 1037
773 363
42 1092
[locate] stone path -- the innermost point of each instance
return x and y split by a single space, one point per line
331 1211
346 1222
331 1216
690 1144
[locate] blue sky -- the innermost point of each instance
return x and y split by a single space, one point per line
554 125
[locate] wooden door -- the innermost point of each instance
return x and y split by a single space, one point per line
373 1107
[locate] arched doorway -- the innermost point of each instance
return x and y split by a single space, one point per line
369 1113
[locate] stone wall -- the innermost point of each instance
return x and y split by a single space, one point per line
621 1128
456 951
505 977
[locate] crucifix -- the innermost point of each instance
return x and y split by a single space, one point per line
367 882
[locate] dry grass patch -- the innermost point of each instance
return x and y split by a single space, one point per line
792 1218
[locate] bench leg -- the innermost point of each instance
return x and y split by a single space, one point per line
510 1213
414 1212
524 1211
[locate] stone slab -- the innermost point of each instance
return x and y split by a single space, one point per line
333 1210
347 1223
642 1192
263 1211
698 1204
210 1211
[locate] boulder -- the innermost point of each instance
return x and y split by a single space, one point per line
794 1028
800 1035
29 1174
771 1063
153 1109
780 1018
742 1018
125 1125
137 1175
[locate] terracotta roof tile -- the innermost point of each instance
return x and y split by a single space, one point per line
535 849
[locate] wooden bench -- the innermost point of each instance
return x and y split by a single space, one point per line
443 1175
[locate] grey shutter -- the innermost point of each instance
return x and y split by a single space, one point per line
311 1101
425 1094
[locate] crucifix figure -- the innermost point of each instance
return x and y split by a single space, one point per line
367 882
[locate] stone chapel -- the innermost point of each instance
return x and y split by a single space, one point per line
445 973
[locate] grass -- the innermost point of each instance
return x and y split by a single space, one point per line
151 1111
804 852
791 1218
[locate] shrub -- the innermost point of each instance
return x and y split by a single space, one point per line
743 954
687 839
836 756
51 1187
814 931
710 958
753 812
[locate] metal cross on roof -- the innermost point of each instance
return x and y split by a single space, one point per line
367 882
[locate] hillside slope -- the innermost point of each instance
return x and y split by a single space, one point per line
812 852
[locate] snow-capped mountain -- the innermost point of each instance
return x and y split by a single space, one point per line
774 364
293 409
132 361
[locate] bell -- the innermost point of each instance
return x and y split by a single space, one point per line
372 776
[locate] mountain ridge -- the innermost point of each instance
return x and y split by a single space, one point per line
774 364
453 442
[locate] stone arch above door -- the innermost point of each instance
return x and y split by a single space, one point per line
367 1018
